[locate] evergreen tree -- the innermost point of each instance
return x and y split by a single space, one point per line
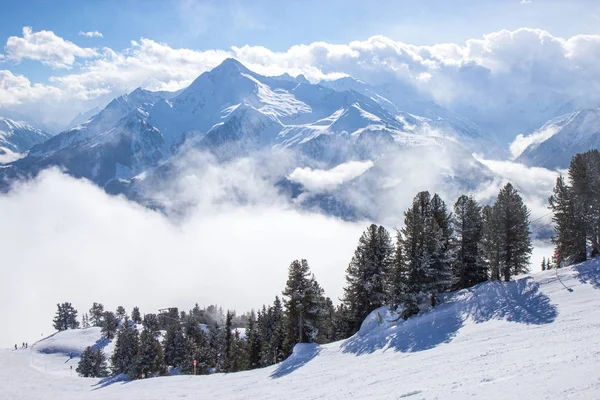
272 333
66 317
85 322
584 174
92 363
228 342
186 366
149 358
121 313
96 314
397 287
490 242
239 356
303 305
365 274
151 324
175 346
109 325
543 263
341 323
569 226
253 342
441 253
514 234
136 316
126 349
469 265
423 269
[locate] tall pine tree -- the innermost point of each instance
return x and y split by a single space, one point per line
513 232
469 265
303 305
365 289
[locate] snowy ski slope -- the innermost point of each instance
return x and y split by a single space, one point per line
528 339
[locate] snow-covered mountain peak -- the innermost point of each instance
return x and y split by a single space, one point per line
553 145
19 136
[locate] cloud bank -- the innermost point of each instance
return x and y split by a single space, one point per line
503 78
66 240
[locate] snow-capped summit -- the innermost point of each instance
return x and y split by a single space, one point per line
232 111
18 136
83 117
432 118
555 143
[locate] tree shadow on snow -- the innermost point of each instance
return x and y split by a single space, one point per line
518 301
109 380
101 343
302 354
589 273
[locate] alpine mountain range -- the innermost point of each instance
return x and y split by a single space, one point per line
136 144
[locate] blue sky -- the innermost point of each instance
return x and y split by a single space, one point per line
271 29
277 25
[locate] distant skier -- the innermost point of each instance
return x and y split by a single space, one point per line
25 344
15 346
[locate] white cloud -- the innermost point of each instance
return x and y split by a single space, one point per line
535 184
46 47
91 34
323 180
521 142
526 1
509 81
17 89
75 243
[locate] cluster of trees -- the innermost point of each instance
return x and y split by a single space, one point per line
436 251
576 208
149 345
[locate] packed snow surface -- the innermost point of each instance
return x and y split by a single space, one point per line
527 339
